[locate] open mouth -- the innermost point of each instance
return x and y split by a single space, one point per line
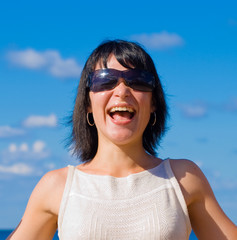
122 113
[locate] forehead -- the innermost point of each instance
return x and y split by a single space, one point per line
112 62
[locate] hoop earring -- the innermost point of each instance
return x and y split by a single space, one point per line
154 122
88 120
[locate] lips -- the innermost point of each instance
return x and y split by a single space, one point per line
122 113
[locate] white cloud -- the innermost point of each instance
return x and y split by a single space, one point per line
19 168
38 146
159 41
200 109
24 147
195 110
12 148
50 166
41 121
7 131
28 58
26 159
61 68
23 151
50 60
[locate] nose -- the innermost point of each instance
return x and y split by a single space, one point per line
122 90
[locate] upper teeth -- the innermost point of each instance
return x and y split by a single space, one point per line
115 109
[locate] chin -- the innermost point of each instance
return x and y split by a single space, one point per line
122 137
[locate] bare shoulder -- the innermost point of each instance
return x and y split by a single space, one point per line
47 194
185 169
192 181
52 185
54 178
183 165
40 217
204 210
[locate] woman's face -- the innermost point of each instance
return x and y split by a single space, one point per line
121 114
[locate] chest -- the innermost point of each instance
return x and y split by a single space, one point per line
154 215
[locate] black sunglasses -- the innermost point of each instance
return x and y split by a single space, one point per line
107 79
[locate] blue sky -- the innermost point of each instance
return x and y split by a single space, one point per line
43 47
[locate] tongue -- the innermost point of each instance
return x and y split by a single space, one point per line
121 116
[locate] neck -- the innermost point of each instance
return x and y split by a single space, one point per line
120 160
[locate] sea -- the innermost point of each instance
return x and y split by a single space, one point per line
5 233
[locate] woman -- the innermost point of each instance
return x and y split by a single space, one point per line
122 190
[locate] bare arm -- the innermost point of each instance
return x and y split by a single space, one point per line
9 237
40 218
207 218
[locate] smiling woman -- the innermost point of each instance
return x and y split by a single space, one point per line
122 190
98 75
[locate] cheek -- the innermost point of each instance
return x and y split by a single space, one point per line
98 100
145 100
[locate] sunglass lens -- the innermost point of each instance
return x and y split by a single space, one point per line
140 86
141 82
103 83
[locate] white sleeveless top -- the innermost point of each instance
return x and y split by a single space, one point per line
147 205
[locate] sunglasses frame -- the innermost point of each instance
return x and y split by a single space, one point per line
131 78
